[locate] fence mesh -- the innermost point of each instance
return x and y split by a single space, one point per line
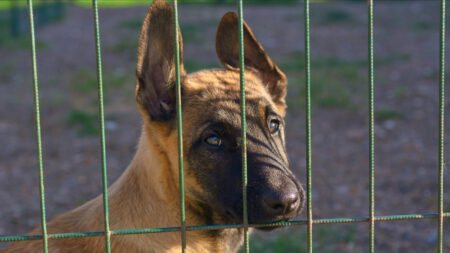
440 215
38 127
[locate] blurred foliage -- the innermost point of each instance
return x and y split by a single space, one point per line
5 4
14 23
9 42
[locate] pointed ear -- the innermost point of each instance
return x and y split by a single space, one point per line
227 47
155 71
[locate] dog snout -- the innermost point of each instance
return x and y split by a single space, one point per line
282 203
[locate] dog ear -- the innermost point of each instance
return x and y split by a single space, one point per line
155 90
227 48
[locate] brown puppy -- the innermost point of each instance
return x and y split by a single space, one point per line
147 194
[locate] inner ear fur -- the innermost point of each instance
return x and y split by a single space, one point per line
155 68
227 48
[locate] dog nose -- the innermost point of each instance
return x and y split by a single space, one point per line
281 203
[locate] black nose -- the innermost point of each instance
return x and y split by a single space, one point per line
283 202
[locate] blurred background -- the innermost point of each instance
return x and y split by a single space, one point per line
406 109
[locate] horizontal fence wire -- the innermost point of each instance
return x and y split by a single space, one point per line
102 127
179 128
441 129
38 128
386 218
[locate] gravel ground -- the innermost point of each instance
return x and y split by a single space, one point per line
406 131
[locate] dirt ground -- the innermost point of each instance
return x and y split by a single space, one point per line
406 131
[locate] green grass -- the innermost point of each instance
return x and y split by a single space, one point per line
22 40
85 122
433 75
84 81
190 33
125 45
329 240
335 82
192 65
9 42
20 43
134 24
328 92
296 61
349 73
324 16
113 3
387 113
400 91
129 46
447 204
391 59
83 85
422 26
6 72
335 16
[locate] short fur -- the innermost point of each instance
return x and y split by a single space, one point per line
147 194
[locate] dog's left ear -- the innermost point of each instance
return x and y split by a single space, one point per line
227 48
155 70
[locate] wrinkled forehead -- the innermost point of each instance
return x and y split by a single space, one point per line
217 93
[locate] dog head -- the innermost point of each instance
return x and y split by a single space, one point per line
212 122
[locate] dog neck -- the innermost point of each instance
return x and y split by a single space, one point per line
148 190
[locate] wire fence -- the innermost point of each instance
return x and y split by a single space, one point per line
440 215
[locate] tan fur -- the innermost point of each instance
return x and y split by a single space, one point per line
147 194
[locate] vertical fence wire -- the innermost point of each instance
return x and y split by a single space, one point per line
441 129
371 132
180 129
308 127
102 128
38 128
440 215
243 124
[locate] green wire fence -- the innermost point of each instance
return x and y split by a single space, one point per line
180 129
38 127
371 134
309 222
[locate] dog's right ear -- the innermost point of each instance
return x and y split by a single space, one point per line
227 47
155 90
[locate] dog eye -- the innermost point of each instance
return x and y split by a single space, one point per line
213 141
274 126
